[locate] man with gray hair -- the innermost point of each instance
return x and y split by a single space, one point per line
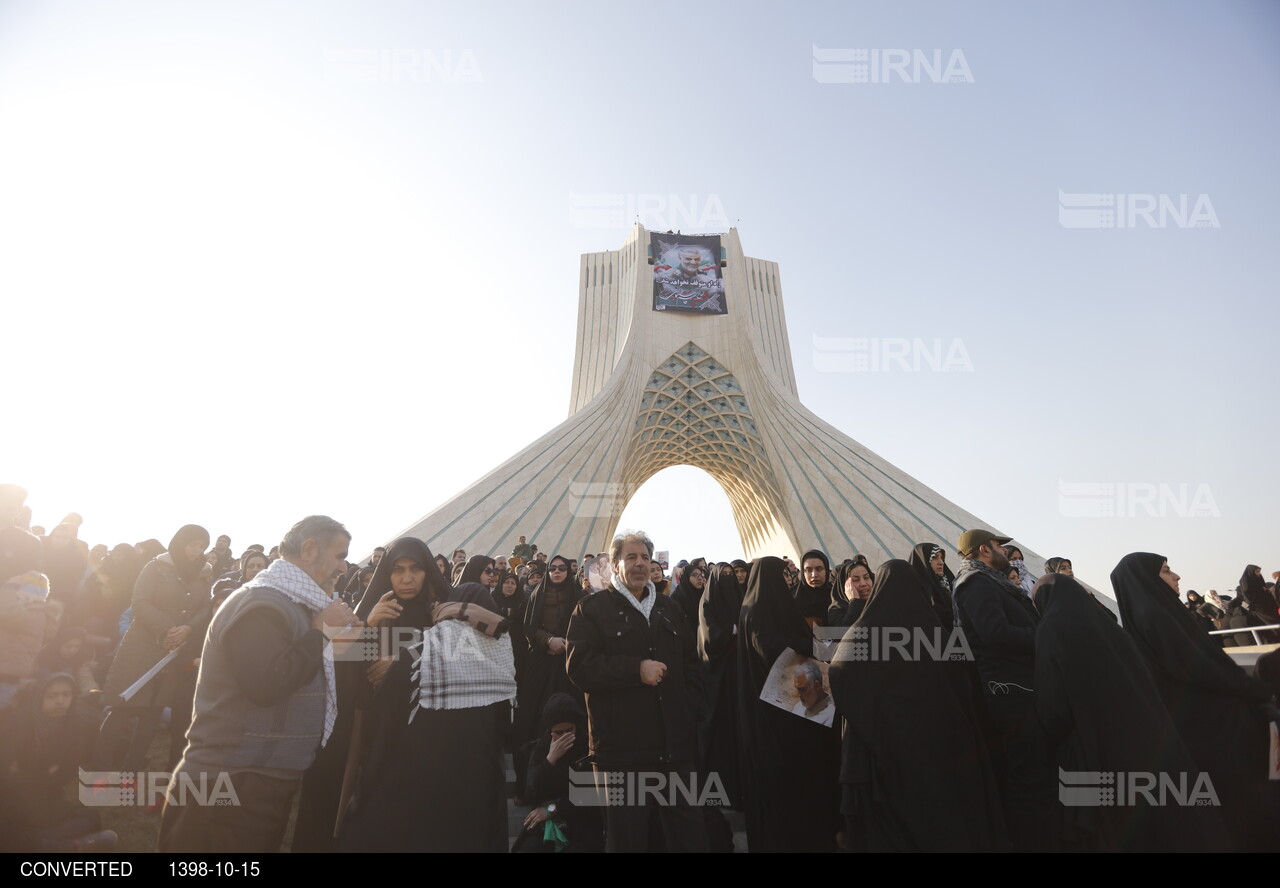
634 655
265 698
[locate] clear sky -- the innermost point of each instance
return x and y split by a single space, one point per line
259 260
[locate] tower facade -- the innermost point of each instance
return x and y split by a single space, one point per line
714 389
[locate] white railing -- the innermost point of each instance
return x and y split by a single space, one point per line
1254 629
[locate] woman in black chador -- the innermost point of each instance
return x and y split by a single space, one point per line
431 777
1101 712
405 584
929 561
1215 706
1262 603
718 614
542 671
790 765
915 771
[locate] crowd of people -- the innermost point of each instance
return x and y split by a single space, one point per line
379 699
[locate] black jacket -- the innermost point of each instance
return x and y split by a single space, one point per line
1000 627
633 723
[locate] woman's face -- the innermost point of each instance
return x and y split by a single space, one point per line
858 583
407 577
194 550
70 648
558 571
57 699
939 562
1014 554
509 586
697 579
60 537
1065 569
1013 575
1169 577
255 566
443 564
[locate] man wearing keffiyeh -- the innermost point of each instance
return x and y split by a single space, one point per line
265 699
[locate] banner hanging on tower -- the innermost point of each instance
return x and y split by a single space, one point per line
686 273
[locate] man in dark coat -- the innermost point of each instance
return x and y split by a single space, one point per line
633 654
999 623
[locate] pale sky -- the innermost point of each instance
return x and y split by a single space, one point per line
260 260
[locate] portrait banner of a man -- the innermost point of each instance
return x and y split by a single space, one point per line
686 273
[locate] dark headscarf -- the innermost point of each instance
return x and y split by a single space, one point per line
770 622
570 595
188 533
417 610
718 613
474 569
1261 601
37 742
814 603
845 611
939 587
1167 635
689 596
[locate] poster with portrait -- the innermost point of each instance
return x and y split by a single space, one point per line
686 273
800 686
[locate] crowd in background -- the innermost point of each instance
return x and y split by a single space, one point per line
100 647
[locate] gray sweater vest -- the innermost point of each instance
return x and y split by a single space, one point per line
228 730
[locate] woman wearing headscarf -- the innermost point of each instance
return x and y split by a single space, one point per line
849 593
1060 565
480 569
252 563
44 739
171 610
508 595
693 585
545 622
405 585
1101 711
1025 581
915 771
1262 608
555 823
813 594
929 561
790 765
432 777
718 615
1214 704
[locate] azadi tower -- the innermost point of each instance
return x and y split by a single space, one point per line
711 387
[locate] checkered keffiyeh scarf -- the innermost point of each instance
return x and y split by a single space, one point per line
970 565
458 667
295 584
